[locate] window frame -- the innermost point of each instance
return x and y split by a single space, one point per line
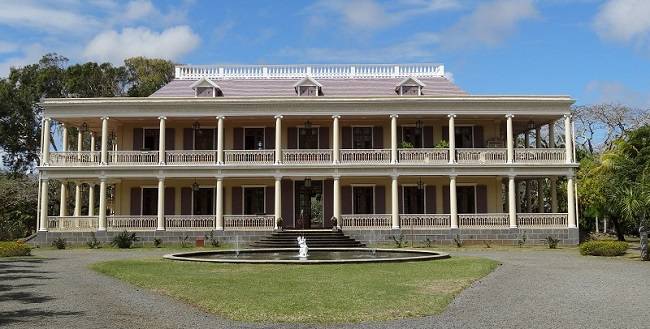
372 136
243 198
374 195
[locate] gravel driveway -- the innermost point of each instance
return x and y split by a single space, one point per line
533 289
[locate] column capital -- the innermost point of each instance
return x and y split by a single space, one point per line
336 116
394 116
103 179
47 119
336 177
161 178
453 176
162 117
277 177
512 176
509 116
451 115
567 115
105 118
220 117
278 116
219 178
394 176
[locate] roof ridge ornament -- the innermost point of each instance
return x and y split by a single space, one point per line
315 71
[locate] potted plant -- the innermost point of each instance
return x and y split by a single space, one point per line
405 145
279 223
334 221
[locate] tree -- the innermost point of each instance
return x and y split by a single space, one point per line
94 80
18 197
146 75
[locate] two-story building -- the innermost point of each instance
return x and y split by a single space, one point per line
376 150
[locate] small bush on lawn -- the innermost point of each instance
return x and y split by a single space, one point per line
603 248
552 242
157 242
124 240
11 248
59 243
93 243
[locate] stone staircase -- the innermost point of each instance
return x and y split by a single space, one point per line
315 239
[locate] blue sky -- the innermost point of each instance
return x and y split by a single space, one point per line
595 51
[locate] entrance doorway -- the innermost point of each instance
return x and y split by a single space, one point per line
309 204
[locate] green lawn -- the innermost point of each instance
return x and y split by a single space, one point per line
307 293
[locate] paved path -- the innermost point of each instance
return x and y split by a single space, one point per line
533 289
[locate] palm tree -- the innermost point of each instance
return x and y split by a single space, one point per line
635 205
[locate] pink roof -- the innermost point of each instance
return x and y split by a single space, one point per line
436 86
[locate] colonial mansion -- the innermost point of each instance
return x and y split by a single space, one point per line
373 149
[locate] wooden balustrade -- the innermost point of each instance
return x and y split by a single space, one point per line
72 223
191 157
321 156
189 222
133 158
483 220
249 222
542 220
249 157
423 156
424 221
365 156
540 155
369 221
131 223
481 155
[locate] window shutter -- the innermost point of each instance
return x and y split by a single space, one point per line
430 203
400 199
188 139
269 200
478 137
445 133
269 138
481 199
237 200
287 202
170 198
238 138
292 138
137 138
346 138
328 202
346 200
380 199
170 139
136 201
445 199
378 137
427 137
186 201
323 137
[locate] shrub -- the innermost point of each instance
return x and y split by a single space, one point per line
11 248
93 243
488 243
399 240
184 241
427 243
552 242
458 241
124 240
522 239
59 243
157 242
603 248
212 240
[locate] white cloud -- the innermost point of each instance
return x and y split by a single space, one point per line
28 54
615 92
138 9
45 17
489 24
114 46
7 47
625 21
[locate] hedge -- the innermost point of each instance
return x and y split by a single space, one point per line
603 248
11 248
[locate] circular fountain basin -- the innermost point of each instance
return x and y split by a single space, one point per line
314 256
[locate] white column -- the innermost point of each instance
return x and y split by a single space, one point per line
510 140
102 204
64 137
540 195
551 134
161 141
393 138
104 156
517 195
46 141
44 203
63 204
452 138
91 199
219 212
277 205
77 199
394 204
278 139
512 202
568 139
161 204
92 147
220 139
336 139
529 196
80 140
453 204
553 189
571 204
337 200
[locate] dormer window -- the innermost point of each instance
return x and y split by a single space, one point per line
308 87
205 87
409 87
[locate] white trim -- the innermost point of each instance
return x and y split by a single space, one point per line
202 81
303 82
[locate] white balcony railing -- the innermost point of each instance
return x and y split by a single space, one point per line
361 221
131 223
424 221
74 158
481 155
72 224
133 158
539 220
306 156
540 155
365 156
250 157
483 220
190 222
191 157
249 222
423 156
